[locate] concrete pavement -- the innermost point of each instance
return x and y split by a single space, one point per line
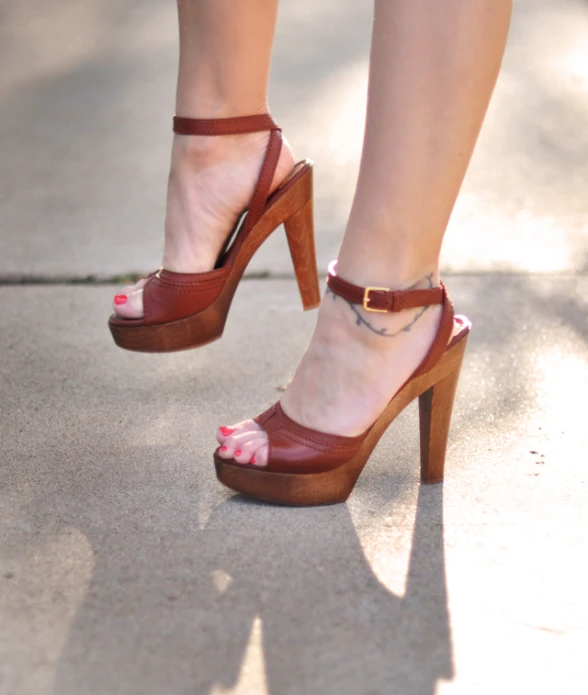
124 567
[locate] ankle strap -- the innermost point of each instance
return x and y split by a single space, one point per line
224 126
381 299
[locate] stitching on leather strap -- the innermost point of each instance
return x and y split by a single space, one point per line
291 427
223 126
197 283
318 445
188 291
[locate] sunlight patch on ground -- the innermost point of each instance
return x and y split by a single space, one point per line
392 568
562 380
252 677
221 580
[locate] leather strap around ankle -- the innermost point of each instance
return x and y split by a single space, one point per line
224 126
381 299
241 125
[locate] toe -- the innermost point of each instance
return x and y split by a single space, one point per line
224 433
230 446
261 455
129 302
248 451
242 442
236 442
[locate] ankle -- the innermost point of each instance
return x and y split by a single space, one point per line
207 103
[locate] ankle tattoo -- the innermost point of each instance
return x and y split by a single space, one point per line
361 321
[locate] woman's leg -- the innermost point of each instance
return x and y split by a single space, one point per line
225 51
433 67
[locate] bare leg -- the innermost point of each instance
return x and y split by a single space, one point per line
432 71
225 50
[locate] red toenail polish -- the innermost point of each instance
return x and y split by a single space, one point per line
238 452
120 299
223 448
252 459
226 431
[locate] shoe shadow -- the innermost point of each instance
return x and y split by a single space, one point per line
300 576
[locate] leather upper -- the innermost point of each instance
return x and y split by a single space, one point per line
171 296
294 448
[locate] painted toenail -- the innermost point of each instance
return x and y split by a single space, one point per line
252 459
238 452
226 431
120 299
223 448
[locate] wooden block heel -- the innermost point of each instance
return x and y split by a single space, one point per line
435 410
300 234
306 467
187 310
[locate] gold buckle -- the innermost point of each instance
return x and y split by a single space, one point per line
366 299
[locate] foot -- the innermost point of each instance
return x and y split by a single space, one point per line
354 365
210 184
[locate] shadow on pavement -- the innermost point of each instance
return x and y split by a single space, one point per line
174 574
327 623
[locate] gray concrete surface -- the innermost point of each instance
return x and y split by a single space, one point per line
86 99
125 568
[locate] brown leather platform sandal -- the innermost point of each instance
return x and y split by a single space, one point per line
183 310
306 467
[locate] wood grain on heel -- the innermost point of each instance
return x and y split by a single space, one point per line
435 409
300 233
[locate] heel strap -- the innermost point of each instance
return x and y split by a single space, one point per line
381 300
240 126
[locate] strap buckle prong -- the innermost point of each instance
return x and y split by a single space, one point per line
367 298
